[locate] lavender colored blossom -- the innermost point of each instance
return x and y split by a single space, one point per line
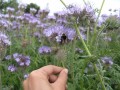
4 40
10 10
8 57
21 59
59 30
44 11
37 34
42 26
107 60
5 24
26 76
34 21
12 68
44 50
19 18
62 21
16 25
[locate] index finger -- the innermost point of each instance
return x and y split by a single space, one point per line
51 69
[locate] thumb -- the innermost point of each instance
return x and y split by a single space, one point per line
60 83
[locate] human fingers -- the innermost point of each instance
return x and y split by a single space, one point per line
50 69
60 83
53 78
25 84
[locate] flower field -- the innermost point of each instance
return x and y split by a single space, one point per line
74 38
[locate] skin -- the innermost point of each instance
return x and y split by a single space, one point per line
47 78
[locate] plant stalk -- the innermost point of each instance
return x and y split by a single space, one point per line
95 28
100 77
83 42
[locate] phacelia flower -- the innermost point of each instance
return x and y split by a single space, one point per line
26 76
107 60
10 10
12 68
16 25
44 50
4 40
21 59
60 32
8 57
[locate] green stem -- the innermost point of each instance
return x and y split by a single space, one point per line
95 28
88 31
83 42
63 3
0 77
100 77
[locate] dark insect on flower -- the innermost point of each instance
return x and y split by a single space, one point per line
63 39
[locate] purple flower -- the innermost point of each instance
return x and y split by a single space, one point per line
8 57
12 68
26 76
10 10
58 31
16 25
44 50
107 60
4 40
34 21
21 59
37 34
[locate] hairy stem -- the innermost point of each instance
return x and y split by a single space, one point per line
95 28
100 77
83 42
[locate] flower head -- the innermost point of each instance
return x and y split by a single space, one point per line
8 57
44 50
4 40
21 59
12 68
10 10
60 33
107 60
26 76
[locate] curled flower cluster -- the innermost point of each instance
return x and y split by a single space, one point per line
107 60
4 40
44 50
12 68
10 10
60 32
21 59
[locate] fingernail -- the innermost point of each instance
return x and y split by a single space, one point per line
66 71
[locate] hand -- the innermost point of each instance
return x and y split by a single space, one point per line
47 78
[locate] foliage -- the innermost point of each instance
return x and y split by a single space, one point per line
112 22
31 5
39 40
9 3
